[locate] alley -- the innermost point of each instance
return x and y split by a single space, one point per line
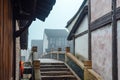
59 39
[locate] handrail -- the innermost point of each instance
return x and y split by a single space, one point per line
60 52
96 75
79 63
89 73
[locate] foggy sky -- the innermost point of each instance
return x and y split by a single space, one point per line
61 13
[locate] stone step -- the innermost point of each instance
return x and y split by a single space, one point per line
52 66
52 63
55 73
54 69
61 77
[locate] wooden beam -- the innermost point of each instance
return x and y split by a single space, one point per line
89 31
19 32
114 43
81 34
101 22
74 45
104 20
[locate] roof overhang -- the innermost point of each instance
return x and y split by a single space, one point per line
25 11
83 13
29 9
72 19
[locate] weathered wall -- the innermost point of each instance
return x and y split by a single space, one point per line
17 53
99 8
6 40
118 3
83 26
118 48
17 57
102 52
81 46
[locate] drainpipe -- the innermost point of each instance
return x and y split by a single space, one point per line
114 43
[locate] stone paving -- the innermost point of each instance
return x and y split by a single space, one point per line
49 61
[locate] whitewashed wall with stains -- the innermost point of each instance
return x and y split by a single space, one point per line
118 3
81 46
99 8
81 42
118 30
102 52
83 26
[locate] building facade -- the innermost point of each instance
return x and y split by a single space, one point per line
54 39
105 38
97 34
78 31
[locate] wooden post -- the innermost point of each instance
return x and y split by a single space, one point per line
59 49
87 65
89 31
67 51
114 42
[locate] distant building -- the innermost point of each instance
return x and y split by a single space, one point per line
54 39
39 44
25 55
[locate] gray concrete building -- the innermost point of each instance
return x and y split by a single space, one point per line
54 39
39 44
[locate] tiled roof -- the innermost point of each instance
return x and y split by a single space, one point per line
26 9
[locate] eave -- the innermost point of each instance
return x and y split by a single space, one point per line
26 11
81 7
83 13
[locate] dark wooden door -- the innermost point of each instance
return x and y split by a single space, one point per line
6 40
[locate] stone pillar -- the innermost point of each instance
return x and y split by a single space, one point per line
36 66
